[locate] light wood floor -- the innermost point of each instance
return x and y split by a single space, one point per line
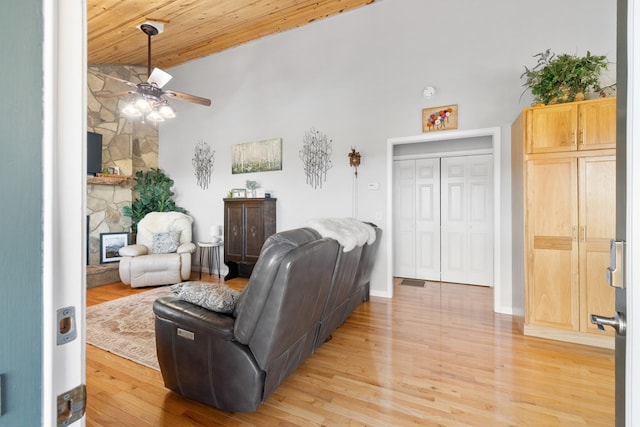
432 356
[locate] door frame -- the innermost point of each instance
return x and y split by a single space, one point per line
57 10
632 383
500 304
64 194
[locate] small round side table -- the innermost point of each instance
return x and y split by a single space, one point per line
212 252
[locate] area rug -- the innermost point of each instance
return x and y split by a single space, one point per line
412 282
125 326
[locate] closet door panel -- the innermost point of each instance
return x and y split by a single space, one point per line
454 220
427 219
481 220
467 220
404 256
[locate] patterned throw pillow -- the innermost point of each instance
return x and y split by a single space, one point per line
212 296
165 243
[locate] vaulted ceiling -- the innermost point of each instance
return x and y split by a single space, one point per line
193 28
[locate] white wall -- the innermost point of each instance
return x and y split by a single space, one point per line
358 77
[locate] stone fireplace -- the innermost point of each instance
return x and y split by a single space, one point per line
129 145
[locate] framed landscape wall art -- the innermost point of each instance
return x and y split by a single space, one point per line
259 156
440 118
110 244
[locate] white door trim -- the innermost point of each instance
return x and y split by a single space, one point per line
632 385
64 184
499 304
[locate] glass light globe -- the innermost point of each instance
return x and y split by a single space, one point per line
130 110
155 116
143 105
167 112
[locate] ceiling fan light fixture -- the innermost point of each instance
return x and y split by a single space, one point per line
155 116
143 104
148 100
167 111
130 110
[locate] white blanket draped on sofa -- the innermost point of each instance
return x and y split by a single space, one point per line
349 232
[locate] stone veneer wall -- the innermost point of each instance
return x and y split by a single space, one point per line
131 145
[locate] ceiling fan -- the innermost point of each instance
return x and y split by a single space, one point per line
149 99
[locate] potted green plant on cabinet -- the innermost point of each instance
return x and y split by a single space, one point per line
154 195
563 78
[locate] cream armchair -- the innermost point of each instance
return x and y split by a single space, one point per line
162 253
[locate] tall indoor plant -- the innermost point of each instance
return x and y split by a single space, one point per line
563 78
154 195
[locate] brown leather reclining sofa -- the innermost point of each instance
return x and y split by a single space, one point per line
302 288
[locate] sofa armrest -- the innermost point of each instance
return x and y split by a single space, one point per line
200 360
133 250
186 248
194 318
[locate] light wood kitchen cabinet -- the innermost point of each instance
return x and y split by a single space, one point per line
569 220
575 126
552 288
597 226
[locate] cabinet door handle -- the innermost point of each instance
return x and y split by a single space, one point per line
583 233
574 137
581 140
574 233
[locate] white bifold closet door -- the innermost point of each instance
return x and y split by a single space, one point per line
417 218
443 219
467 220
404 202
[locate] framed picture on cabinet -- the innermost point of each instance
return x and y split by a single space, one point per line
239 192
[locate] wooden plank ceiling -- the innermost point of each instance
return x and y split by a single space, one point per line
193 28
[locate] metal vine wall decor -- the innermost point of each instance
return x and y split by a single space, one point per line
316 157
203 159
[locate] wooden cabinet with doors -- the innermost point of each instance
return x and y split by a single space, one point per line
575 126
569 219
247 224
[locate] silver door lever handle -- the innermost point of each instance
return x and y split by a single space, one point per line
616 322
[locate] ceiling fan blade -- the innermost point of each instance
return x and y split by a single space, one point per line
127 82
159 77
114 94
186 97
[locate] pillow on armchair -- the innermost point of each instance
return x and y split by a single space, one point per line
165 243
